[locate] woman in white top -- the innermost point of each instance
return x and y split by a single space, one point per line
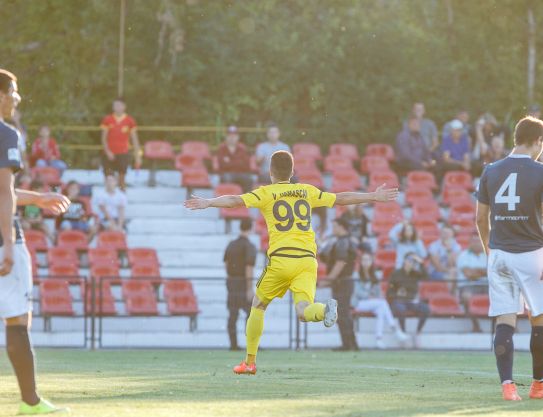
368 298
405 239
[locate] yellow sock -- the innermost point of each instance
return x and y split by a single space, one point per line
255 326
314 312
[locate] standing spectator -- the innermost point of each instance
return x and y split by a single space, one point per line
340 267
234 161
368 297
485 129
472 272
403 292
357 222
265 150
405 239
428 129
45 151
455 149
461 115
112 205
496 150
239 259
77 216
443 254
32 216
412 151
118 129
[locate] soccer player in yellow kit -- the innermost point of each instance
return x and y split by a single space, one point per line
292 255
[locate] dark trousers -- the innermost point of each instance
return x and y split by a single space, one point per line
342 291
402 309
235 303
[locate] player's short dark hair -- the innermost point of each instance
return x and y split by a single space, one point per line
282 164
246 225
6 78
528 130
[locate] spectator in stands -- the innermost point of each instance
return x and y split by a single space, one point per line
234 161
428 129
77 217
484 130
461 115
239 259
265 150
112 205
403 292
357 223
455 149
118 129
472 272
340 266
45 151
443 254
496 150
405 239
412 151
32 216
368 298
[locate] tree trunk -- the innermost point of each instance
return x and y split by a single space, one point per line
531 54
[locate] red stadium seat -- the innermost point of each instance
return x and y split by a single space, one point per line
35 240
478 305
145 271
462 213
445 305
101 271
146 256
381 149
104 302
74 239
158 150
47 175
333 163
184 161
391 210
261 226
103 256
311 177
383 177
196 148
426 210
381 225
228 189
421 179
458 179
195 178
385 260
307 150
139 298
304 164
347 180
373 163
64 271
455 196
111 240
62 256
416 195
427 229
236 213
321 271
176 287
345 150
431 289
55 298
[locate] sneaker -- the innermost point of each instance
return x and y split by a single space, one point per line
330 313
509 392
244 369
43 407
401 336
536 390
379 344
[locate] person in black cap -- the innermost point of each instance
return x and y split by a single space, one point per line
340 266
239 259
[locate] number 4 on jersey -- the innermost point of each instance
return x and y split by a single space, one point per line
507 194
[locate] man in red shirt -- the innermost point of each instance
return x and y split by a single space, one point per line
234 161
118 129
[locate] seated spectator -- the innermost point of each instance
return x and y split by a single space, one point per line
405 240
112 205
368 297
265 150
455 149
234 161
484 130
32 217
496 150
412 151
45 151
403 292
357 222
472 272
443 254
461 115
77 216
428 129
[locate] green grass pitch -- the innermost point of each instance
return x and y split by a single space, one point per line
156 383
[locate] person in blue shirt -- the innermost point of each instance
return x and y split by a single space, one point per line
509 208
455 149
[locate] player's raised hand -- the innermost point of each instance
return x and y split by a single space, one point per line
386 194
196 203
55 202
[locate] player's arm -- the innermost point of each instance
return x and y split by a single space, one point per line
380 194
104 142
55 202
7 206
224 201
483 224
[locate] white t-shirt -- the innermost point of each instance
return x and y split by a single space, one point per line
112 203
469 259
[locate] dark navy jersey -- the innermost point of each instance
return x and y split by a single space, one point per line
10 157
513 188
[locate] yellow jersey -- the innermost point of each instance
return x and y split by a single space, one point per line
287 210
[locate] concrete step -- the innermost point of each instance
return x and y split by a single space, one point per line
193 258
163 241
191 226
163 210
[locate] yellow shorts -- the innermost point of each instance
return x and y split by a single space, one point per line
298 275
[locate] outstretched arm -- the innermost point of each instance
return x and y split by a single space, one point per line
380 194
224 201
55 202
